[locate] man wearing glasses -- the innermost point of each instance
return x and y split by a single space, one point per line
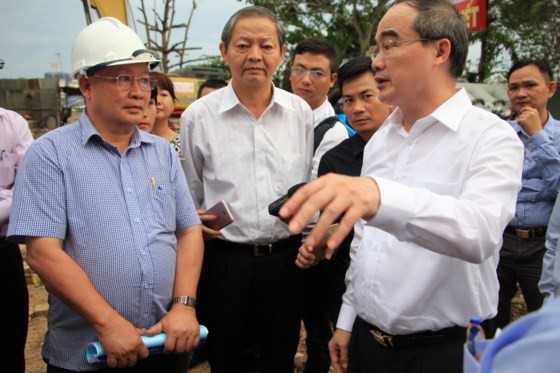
438 186
108 219
314 67
313 74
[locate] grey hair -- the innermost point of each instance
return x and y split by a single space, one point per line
252 11
439 19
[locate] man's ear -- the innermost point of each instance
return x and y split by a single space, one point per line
223 51
84 84
443 48
551 88
334 77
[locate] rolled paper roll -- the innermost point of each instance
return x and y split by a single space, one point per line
96 354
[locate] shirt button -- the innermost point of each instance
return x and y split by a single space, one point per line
145 315
129 190
136 220
142 252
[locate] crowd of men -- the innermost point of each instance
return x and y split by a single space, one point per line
415 212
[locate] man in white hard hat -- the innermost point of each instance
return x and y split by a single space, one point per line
108 220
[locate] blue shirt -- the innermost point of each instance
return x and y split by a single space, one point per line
117 216
541 175
529 344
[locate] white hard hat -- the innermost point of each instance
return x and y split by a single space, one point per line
108 42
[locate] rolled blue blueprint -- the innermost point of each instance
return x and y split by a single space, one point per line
96 354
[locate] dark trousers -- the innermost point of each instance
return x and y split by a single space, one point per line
14 312
173 363
245 298
368 356
520 262
323 288
316 319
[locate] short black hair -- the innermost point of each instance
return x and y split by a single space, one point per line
542 65
318 46
211 83
353 68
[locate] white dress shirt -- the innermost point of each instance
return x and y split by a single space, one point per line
427 260
247 162
332 137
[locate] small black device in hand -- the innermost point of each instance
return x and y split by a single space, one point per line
274 207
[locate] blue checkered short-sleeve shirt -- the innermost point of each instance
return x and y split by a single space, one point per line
117 216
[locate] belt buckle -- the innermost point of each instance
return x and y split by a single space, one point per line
522 233
383 339
261 250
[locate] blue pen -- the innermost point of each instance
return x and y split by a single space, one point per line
474 332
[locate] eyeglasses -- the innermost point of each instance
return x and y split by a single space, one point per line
385 46
313 74
124 82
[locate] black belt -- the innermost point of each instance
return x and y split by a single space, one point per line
415 339
526 233
259 249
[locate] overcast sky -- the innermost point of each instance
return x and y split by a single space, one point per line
36 36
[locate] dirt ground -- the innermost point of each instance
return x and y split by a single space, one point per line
38 325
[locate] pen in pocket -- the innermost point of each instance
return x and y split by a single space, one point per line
153 182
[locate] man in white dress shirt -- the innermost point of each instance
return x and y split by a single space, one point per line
439 184
314 72
247 144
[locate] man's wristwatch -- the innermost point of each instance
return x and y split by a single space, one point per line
187 301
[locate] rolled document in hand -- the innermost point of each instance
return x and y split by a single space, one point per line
96 354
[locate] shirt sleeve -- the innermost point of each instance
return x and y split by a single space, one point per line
464 220
347 314
546 156
549 279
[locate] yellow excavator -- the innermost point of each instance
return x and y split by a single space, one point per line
186 88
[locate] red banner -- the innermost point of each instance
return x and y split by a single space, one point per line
474 12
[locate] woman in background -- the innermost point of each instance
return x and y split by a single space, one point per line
149 119
165 105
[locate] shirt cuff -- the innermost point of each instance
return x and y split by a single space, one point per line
346 318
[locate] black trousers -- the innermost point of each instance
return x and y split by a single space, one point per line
15 310
172 363
368 356
244 298
323 288
520 262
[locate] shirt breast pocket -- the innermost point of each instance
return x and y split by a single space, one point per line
163 204
8 169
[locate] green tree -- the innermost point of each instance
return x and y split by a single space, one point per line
349 25
516 29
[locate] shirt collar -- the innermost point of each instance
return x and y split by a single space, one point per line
357 144
450 113
89 132
230 100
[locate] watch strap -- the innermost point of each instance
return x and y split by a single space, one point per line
187 301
